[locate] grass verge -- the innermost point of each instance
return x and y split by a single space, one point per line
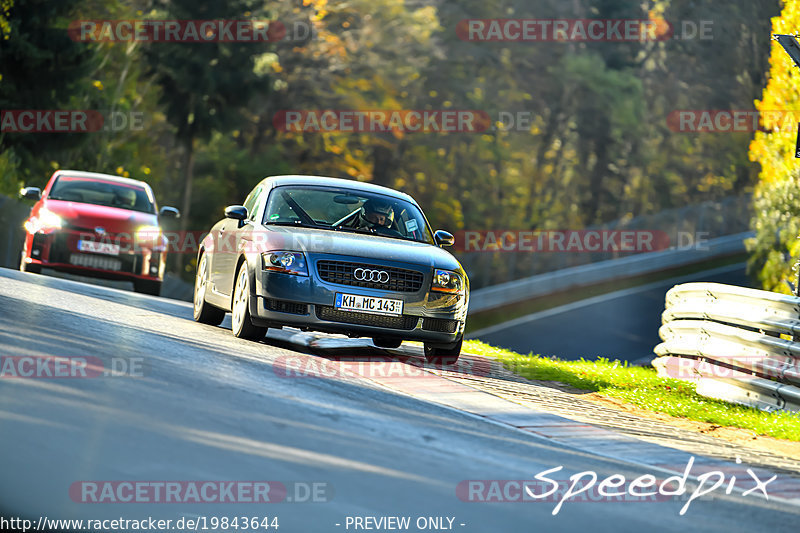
643 388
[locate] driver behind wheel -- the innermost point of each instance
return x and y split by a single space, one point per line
376 214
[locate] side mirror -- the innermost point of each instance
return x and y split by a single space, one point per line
169 212
31 193
236 212
443 238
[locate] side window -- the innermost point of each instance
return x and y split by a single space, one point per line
252 214
250 202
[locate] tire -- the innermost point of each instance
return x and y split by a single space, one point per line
241 322
204 312
386 342
147 286
443 355
28 267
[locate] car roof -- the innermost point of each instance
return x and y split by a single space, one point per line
98 175
300 179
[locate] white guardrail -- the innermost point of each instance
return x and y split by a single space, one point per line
739 345
570 278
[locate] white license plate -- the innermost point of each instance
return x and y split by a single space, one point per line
369 304
96 247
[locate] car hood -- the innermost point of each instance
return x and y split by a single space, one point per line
89 216
314 241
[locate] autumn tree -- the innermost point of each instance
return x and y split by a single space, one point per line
40 68
775 249
204 86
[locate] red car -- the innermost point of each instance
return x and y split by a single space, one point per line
97 225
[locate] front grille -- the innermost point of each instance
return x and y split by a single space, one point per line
284 306
124 262
59 251
442 325
95 261
341 272
366 319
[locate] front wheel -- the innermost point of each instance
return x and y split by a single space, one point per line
204 312
443 355
241 321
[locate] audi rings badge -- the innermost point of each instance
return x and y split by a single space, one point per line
375 276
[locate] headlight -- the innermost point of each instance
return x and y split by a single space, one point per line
44 221
447 281
286 262
148 234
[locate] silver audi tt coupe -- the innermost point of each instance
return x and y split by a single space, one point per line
333 255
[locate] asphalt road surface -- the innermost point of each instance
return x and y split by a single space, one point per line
621 325
205 406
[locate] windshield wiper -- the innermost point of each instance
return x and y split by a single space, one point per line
294 224
299 211
351 229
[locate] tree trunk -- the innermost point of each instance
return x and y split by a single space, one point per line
382 161
188 175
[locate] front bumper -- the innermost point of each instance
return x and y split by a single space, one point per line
59 250
308 302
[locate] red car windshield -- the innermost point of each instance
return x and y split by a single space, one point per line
101 192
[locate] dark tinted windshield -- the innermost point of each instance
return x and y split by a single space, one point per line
341 209
101 192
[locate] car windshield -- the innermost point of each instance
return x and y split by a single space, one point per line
344 209
101 192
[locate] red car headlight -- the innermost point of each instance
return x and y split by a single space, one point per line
44 222
149 235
